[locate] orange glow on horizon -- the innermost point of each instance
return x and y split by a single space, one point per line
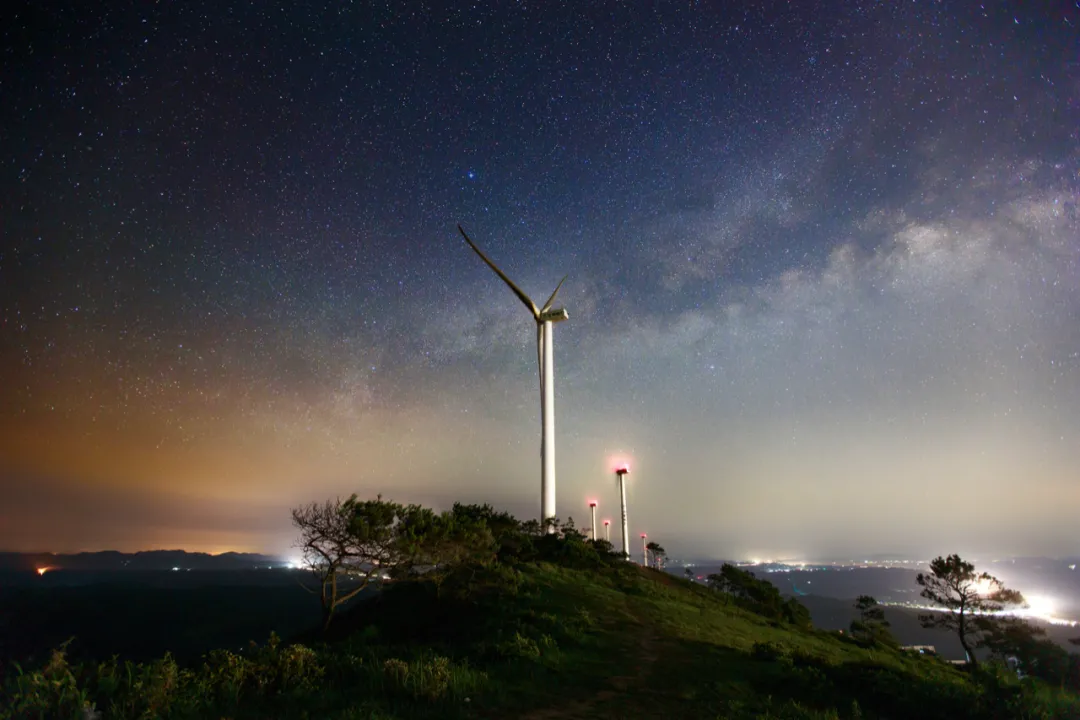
43 570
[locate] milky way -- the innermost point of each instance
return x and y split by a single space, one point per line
823 258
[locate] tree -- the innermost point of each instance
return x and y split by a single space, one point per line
1016 638
356 543
689 573
734 581
871 625
501 525
758 596
436 544
345 540
533 528
968 598
571 547
659 555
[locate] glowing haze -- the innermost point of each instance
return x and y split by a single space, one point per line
824 268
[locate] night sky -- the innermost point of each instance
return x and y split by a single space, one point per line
823 258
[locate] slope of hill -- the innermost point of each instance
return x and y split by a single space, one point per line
542 641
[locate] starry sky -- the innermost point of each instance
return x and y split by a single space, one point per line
823 259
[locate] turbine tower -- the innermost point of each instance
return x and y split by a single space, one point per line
607 530
545 318
644 550
621 474
592 508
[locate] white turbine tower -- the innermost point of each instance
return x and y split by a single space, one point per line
545 318
621 474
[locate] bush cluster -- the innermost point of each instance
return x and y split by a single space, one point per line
759 596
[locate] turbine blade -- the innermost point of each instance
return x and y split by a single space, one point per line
547 305
517 291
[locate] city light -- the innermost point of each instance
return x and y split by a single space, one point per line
1039 607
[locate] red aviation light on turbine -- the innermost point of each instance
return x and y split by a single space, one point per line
619 463
592 503
607 522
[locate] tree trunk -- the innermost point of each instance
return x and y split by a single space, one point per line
963 640
329 602
970 655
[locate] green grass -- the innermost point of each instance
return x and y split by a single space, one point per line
537 640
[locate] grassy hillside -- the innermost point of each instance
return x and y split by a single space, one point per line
542 640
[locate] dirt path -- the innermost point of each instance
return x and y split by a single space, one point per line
646 656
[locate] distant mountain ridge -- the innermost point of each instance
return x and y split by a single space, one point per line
144 560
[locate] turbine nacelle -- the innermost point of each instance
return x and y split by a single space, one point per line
554 315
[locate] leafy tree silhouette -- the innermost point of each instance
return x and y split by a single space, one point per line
968 598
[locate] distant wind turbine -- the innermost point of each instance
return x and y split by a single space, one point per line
621 473
545 318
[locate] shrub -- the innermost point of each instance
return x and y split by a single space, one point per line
138 690
396 672
759 596
276 668
51 692
771 652
519 646
223 677
344 667
431 678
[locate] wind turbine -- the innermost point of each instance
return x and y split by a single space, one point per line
592 509
545 318
621 474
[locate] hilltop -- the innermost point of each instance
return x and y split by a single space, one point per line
550 627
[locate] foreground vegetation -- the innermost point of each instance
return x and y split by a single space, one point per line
523 624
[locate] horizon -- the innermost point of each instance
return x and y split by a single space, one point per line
688 561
